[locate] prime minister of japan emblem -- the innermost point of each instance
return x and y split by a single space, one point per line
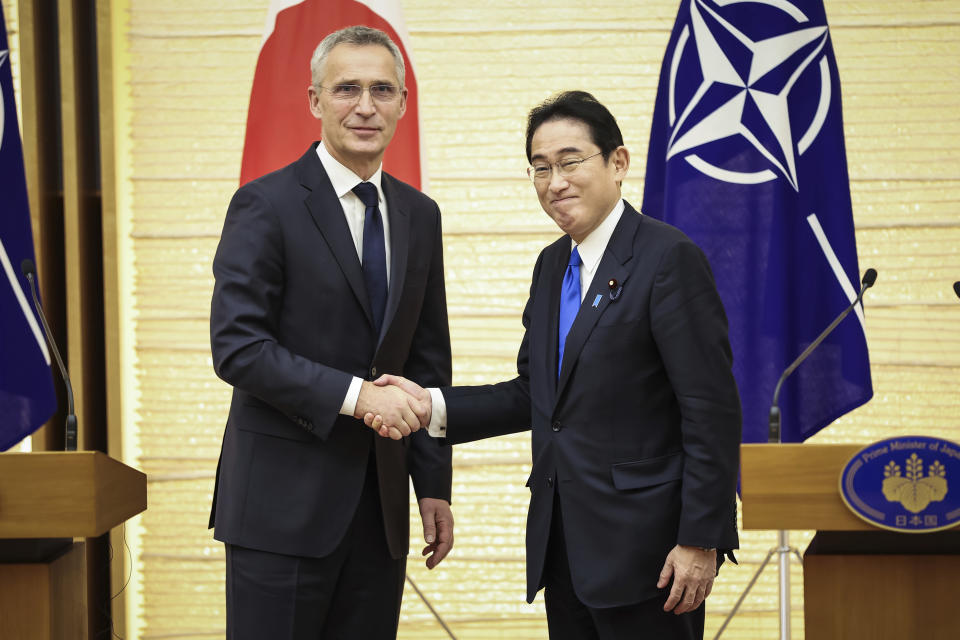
904 484
914 491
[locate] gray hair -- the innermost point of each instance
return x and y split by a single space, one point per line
358 36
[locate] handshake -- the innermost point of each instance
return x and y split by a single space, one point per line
393 406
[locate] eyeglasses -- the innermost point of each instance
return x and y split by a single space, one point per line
352 92
542 171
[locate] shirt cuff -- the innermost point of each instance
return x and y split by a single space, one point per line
438 417
350 400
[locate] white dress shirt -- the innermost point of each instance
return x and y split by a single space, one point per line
591 251
343 181
593 246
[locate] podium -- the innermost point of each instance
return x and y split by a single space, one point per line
859 582
46 500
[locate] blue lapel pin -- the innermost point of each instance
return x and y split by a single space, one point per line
596 301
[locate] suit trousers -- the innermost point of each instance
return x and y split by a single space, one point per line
569 619
354 592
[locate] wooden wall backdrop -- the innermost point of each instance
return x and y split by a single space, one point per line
188 69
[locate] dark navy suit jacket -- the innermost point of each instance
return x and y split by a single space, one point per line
290 325
640 435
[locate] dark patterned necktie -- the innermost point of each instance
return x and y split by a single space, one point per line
374 252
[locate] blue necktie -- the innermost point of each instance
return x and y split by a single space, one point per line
569 303
374 252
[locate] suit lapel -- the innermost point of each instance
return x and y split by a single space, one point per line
327 213
554 268
399 248
612 266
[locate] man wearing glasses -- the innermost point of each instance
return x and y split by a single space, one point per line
328 273
624 379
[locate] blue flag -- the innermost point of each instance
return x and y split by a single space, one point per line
747 157
27 397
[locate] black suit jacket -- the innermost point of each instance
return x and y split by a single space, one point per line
290 324
640 435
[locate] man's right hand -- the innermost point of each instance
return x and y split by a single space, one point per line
423 405
397 408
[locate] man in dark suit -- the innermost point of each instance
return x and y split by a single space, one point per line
624 378
328 273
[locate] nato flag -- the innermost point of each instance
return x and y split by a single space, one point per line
747 157
27 398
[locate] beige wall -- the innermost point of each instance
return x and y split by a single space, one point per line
189 67
12 18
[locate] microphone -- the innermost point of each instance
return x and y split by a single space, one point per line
956 288
869 278
29 271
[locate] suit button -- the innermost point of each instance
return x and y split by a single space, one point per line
556 426
550 481
373 372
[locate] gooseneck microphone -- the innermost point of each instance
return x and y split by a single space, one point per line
29 272
869 278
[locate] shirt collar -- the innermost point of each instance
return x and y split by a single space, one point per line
342 178
592 247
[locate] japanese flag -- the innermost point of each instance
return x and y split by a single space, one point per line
280 126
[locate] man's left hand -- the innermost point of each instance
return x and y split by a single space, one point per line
693 570
437 529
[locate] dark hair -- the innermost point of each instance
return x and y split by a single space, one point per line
583 107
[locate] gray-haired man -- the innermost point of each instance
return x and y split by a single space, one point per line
329 272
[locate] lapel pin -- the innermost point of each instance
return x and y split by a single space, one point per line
615 288
596 301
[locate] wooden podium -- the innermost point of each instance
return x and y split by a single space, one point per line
860 582
46 500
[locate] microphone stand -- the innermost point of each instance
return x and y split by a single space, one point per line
70 429
869 278
783 548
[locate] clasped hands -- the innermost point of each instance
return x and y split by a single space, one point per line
393 406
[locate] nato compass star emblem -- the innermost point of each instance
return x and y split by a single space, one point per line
743 98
